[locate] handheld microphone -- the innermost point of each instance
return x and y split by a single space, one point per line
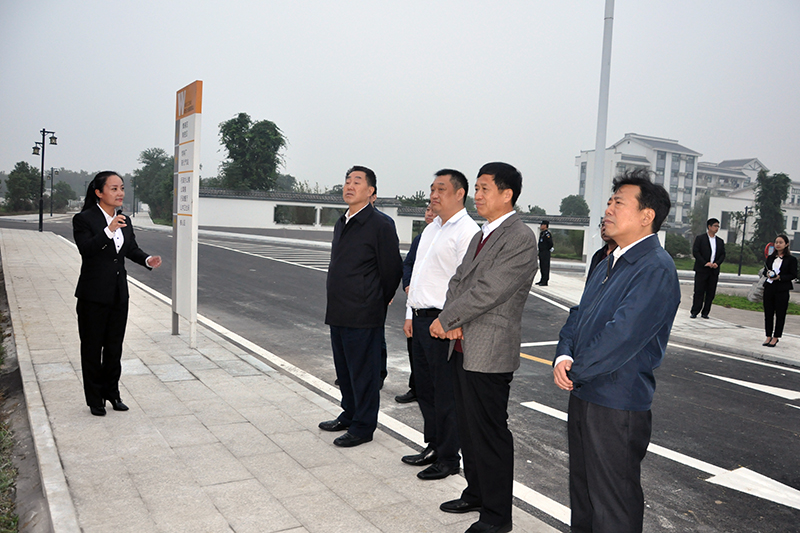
119 211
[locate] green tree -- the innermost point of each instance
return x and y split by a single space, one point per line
22 188
574 206
336 190
536 210
62 194
253 153
699 214
677 245
418 199
154 182
771 192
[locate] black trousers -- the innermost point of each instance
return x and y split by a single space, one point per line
434 387
544 266
776 303
705 288
486 442
357 358
410 344
101 328
606 448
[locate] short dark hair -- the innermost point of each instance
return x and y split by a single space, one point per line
372 181
505 177
651 196
711 222
97 184
545 223
458 180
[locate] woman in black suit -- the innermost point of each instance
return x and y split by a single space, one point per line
781 270
105 238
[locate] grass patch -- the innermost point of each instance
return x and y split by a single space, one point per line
740 302
8 473
686 263
162 221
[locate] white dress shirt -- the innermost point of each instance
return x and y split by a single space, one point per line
440 251
119 238
713 241
489 227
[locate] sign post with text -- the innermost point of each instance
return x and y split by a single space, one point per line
188 112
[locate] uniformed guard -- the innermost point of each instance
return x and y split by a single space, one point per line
545 247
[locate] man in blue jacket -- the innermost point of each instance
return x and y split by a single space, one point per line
364 272
607 352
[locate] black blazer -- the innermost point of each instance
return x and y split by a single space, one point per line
701 250
364 271
787 274
103 269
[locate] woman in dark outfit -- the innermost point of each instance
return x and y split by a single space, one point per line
781 270
105 238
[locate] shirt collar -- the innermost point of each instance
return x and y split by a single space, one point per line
489 227
620 251
348 217
453 219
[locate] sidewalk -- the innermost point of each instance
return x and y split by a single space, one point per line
215 440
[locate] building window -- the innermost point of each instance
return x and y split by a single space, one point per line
689 164
676 161
661 160
725 220
794 223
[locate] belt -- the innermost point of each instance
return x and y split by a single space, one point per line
431 312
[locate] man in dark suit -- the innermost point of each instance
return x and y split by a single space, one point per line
364 272
709 253
482 316
607 353
545 248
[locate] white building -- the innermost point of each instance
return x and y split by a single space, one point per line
723 207
674 166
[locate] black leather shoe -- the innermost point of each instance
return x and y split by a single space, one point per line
427 457
483 527
542 284
459 506
348 440
333 425
692 315
438 471
118 405
98 411
703 316
408 397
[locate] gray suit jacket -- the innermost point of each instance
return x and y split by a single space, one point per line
487 294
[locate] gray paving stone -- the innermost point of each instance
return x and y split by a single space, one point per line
244 439
275 469
184 430
249 507
171 372
214 411
212 464
324 511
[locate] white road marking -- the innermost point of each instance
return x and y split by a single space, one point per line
740 479
548 300
543 343
736 358
795 406
223 247
775 391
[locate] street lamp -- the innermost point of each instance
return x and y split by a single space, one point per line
744 235
53 173
36 151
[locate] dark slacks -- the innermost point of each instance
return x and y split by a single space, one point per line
486 442
102 329
606 448
776 303
705 288
410 344
434 387
544 266
357 358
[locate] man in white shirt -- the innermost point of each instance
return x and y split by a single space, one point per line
441 249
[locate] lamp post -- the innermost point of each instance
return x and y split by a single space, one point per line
36 150
744 234
53 173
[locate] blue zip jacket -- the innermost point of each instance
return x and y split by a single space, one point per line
618 332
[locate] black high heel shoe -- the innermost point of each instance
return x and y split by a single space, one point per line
118 405
771 345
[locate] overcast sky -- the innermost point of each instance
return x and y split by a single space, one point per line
404 87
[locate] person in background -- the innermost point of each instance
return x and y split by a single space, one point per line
603 252
709 253
105 238
781 269
408 267
545 248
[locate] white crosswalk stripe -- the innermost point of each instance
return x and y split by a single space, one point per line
316 259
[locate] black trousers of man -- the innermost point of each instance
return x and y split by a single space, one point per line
434 387
486 442
410 344
544 266
705 288
357 358
606 448
101 328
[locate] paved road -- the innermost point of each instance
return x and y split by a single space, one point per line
715 426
